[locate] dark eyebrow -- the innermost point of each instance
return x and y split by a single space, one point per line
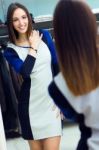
25 15
14 18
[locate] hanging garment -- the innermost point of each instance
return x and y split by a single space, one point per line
9 105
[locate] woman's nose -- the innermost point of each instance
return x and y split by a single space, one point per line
21 22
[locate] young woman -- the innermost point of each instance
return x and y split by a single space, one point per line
76 89
31 58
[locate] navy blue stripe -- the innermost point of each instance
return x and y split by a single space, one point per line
27 66
61 102
69 112
24 68
23 110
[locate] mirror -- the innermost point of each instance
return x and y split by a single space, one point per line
71 132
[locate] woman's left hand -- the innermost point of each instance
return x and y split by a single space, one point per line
59 113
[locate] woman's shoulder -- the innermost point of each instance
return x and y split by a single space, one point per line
11 45
12 49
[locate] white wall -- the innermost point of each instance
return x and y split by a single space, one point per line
37 7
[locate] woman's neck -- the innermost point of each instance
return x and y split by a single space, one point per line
22 38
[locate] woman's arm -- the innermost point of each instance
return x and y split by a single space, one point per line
24 68
60 100
20 66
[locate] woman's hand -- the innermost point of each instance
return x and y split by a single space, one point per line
59 113
35 39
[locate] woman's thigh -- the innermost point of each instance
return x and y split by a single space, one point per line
52 143
35 144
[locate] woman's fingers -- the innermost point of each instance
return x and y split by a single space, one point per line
35 39
55 108
41 36
62 116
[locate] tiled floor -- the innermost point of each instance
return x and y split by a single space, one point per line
69 139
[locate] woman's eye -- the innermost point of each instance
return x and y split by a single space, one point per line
24 17
14 20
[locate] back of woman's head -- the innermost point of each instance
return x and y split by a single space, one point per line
12 32
75 36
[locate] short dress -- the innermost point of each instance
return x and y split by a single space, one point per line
35 107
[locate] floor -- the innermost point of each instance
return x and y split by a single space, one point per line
68 142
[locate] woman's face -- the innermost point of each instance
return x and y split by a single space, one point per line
20 21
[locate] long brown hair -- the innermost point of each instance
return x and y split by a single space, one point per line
13 34
75 36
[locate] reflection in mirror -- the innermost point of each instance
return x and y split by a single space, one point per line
29 56
12 127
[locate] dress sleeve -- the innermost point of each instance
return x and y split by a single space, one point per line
61 100
20 66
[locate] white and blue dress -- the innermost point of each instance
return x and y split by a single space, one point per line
37 119
82 109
